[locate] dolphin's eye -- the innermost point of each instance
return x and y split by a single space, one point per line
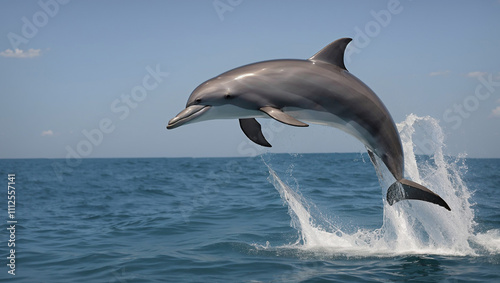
198 100
227 96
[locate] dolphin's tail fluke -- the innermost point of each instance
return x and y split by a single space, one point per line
406 189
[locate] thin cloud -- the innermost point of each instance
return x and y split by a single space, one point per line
476 74
47 133
18 53
496 112
440 73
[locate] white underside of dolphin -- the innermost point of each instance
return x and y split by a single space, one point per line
319 90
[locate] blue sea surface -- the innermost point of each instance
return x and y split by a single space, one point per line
269 218
222 220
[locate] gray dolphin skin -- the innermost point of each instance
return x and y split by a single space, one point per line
318 90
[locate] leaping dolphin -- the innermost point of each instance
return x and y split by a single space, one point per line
318 90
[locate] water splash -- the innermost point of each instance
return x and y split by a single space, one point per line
409 227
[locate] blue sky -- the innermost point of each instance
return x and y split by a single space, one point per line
102 78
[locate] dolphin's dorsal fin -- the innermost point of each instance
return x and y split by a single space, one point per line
282 117
252 130
333 53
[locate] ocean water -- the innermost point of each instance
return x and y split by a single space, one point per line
269 218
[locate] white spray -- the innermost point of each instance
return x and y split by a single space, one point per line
409 227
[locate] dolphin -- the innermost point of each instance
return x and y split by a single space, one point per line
295 92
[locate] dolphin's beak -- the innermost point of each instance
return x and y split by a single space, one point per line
186 115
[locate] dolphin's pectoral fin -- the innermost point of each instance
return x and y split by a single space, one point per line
406 189
251 128
282 117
